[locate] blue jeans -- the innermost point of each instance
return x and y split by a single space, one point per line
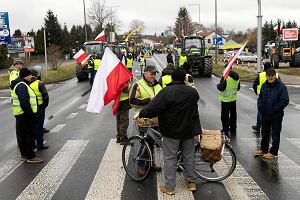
92 75
39 137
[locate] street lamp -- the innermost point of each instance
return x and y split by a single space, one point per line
259 36
85 28
216 34
197 4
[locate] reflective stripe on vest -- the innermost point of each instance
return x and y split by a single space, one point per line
129 63
230 94
262 80
35 86
142 61
17 110
166 79
13 75
182 60
147 91
97 64
124 95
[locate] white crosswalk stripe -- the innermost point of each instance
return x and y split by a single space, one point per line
46 183
9 164
57 128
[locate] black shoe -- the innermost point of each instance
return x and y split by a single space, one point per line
45 130
43 147
257 129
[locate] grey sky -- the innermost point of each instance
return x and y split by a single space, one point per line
156 14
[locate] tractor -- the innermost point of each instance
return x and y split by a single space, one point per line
92 48
285 51
194 49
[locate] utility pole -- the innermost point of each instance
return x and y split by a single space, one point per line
259 36
216 34
85 28
45 49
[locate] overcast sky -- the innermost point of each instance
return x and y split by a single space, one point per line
156 14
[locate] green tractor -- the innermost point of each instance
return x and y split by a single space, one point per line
194 48
92 48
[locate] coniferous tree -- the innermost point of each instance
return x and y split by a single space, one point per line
53 29
183 23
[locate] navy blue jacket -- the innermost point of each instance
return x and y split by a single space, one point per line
273 98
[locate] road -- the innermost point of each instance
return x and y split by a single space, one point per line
84 162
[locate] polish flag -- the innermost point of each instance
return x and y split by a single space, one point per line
232 60
109 81
100 37
81 57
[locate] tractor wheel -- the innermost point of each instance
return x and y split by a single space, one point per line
79 73
208 65
297 60
275 61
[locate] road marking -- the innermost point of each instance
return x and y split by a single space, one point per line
9 164
109 179
297 106
243 85
47 182
158 66
57 128
286 168
181 189
295 86
72 115
83 106
7 100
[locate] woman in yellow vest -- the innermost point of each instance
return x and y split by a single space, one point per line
24 107
227 96
40 90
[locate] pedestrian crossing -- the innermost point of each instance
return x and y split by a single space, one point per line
109 178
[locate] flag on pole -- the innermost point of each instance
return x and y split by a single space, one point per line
100 37
110 80
232 60
81 56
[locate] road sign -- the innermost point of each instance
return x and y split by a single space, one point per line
290 34
5 36
218 41
4 22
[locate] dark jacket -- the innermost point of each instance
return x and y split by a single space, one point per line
272 100
170 58
177 111
165 71
43 91
23 95
223 83
256 83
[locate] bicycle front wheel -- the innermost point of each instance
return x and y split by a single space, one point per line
137 158
216 171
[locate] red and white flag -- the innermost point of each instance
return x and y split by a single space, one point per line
81 56
110 80
232 60
100 37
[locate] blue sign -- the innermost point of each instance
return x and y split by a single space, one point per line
4 22
218 41
5 36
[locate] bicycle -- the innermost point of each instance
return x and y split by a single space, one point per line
137 152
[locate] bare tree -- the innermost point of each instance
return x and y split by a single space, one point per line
135 24
169 31
100 15
54 56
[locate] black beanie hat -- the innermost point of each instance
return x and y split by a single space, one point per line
267 66
178 75
24 72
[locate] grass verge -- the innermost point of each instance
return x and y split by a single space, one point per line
290 71
244 74
64 72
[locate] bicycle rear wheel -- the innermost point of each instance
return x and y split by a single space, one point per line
137 158
215 171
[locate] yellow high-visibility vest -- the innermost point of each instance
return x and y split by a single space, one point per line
16 109
97 64
165 80
129 63
35 86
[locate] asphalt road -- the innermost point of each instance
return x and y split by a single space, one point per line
83 161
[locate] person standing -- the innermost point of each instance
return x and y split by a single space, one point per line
91 67
272 100
142 62
40 91
122 116
177 111
97 63
227 96
14 73
182 60
24 102
166 75
129 62
257 84
170 58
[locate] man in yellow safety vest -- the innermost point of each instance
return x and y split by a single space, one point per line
24 107
14 73
129 62
97 63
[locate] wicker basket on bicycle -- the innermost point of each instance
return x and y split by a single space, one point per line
211 145
146 122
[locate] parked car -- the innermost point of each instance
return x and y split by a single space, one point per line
247 57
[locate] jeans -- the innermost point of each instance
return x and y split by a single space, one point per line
39 127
